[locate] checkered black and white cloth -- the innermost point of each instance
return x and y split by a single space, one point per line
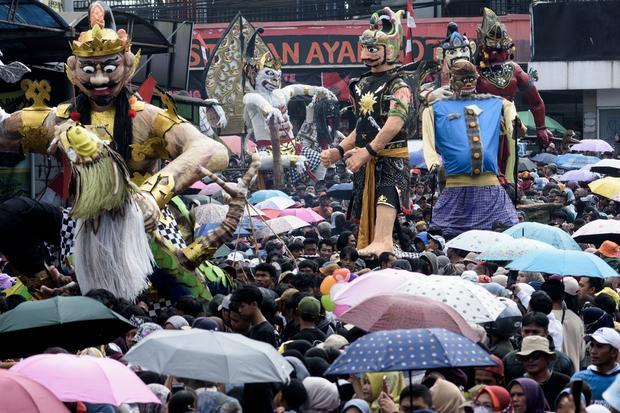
167 228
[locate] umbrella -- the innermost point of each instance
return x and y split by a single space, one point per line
201 199
508 251
341 191
205 229
575 160
608 187
215 214
396 311
415 349
213 188
222 251
545 157
416 159
543 233
369 285
528 120
598 231
271 213
233 142
210 355
477 240
28 396
579 175
564 262
265 194
86 378
526 165
72 323
281 225
592 145
306 214
278 203
470 300
609 167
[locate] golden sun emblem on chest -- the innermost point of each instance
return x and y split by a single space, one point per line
367 103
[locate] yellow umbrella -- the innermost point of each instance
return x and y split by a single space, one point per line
608 187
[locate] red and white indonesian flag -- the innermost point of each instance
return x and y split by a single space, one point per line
409 33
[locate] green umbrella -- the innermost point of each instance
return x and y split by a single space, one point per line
72 323
222 251
528 120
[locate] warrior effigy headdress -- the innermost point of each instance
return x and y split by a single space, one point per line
492 33
102 39
253 64
385 30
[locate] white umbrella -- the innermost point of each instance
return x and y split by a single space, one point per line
281 225
477 240
598 231
470 300
210 355
214 214
607 166
509 250
278 202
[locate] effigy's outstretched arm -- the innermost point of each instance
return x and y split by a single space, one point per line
537 106
202 247
306 90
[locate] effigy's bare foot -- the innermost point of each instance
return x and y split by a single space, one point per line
376 248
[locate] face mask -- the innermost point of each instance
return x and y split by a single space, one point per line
482 409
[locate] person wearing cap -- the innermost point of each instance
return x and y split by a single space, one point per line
536 324
224 308
235 259
265 275
609 251
604 347
535 356
308 315
492 375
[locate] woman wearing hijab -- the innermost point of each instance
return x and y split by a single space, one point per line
527 396
493 399
371 386
323 396
447 398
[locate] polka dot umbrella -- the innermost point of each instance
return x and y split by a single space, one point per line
470 300
407 350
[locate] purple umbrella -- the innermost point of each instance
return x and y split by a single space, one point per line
592 145
580 175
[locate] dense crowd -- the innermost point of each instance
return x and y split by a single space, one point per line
555 330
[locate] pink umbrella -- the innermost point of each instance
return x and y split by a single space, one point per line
271 213
25 395
592 145
234 144
214 188
198 185
369 285
404 311
307 214
85 378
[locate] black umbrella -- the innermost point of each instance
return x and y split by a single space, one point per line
72 323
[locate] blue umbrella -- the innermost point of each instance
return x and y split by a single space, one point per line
575 160
263 194
544 233
545 158
407 350
564 262
341 191
416 159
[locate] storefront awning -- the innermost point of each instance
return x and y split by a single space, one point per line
33 33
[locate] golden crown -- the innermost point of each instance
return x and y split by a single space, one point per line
267 60
100 42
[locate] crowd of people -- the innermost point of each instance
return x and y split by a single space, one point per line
556 330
